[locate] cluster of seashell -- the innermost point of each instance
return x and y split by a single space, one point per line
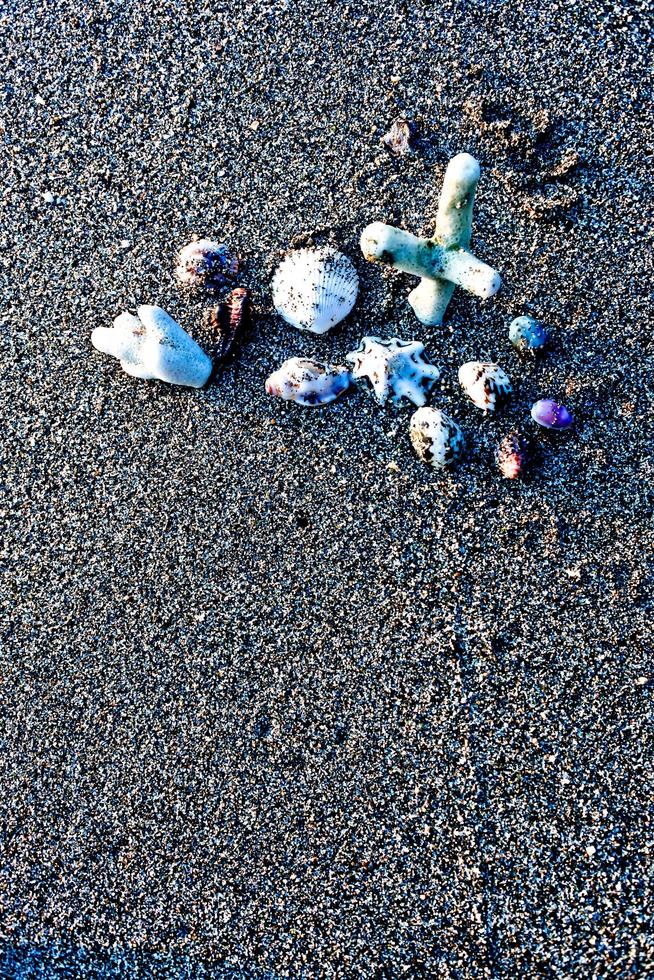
314 289
436 438
153 346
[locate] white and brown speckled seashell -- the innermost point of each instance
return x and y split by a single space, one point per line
485 383
308 382
436 438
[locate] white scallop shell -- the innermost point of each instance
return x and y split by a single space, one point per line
315 288
485 383
393 369
436 438
308 382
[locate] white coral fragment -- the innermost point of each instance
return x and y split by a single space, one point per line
153 346
444 261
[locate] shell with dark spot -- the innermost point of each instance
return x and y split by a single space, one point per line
527 335
436 438
513 455
308 382
485 383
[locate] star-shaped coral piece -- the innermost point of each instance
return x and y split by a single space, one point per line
393 369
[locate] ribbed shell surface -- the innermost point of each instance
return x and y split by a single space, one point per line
315 288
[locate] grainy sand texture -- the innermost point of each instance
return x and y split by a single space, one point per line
277 699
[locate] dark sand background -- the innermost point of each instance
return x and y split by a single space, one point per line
270 707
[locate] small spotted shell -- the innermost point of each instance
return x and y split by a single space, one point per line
527 335
308 382
512 455
485 383
436 438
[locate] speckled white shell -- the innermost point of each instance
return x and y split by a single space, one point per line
315 288
436 438
153 346
393 369
308 382
485 383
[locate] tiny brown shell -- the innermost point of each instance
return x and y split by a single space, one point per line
513 455
229 322
399 137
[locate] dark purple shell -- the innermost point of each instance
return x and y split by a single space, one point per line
513 455
229 323
206 265
551 415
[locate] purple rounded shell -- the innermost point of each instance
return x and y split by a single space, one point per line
206 265
551 415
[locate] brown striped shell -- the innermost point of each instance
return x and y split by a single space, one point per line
229 322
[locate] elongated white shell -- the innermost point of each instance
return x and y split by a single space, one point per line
153 345
308 382
315 288
485 383
436 438
393 369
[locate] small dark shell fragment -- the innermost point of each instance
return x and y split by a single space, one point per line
229 323
398 138
206 265
513 455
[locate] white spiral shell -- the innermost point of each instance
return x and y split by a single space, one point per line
308 382
436 438
485 383
315 288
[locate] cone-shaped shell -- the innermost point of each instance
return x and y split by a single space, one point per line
308 382
436 438
315 288
485 383
512 455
